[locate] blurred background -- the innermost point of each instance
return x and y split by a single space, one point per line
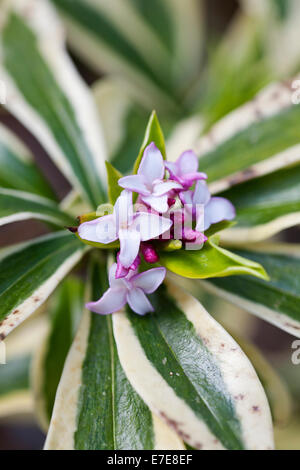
253 68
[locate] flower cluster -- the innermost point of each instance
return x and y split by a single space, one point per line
173 202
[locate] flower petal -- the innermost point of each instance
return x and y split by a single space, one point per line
152 164
186 197
149 280
187 162
112 274
138 302
172 168
129 246
102 230
189 178
112 301
216 210
159 204
201 193
121 272
134 183
113 280
151 225
163 187
123 209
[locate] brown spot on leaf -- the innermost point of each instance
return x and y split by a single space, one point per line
255 409
240 396
242 176
198 445
287 84
290 325
170 421
258 113
174 425
2 336
183 435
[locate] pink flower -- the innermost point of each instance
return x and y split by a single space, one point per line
121 271
184 170
149 181
131 290
215 209
129 227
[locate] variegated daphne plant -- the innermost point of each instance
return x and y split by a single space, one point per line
151 369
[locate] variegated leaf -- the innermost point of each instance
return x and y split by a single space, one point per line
242 327
265 206
147 47
123 121
17 168
277 22
95 406
64 314
277 300
193 374
276 389
256 139
48 96
30 272
124 124
18 205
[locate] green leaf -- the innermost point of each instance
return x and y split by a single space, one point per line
265 206
17 168
100 246
276 301
64 315
93 385
87 217
30 272
257 139
187 367
216 228
113 176
210 261
18 205
153 134
65 119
